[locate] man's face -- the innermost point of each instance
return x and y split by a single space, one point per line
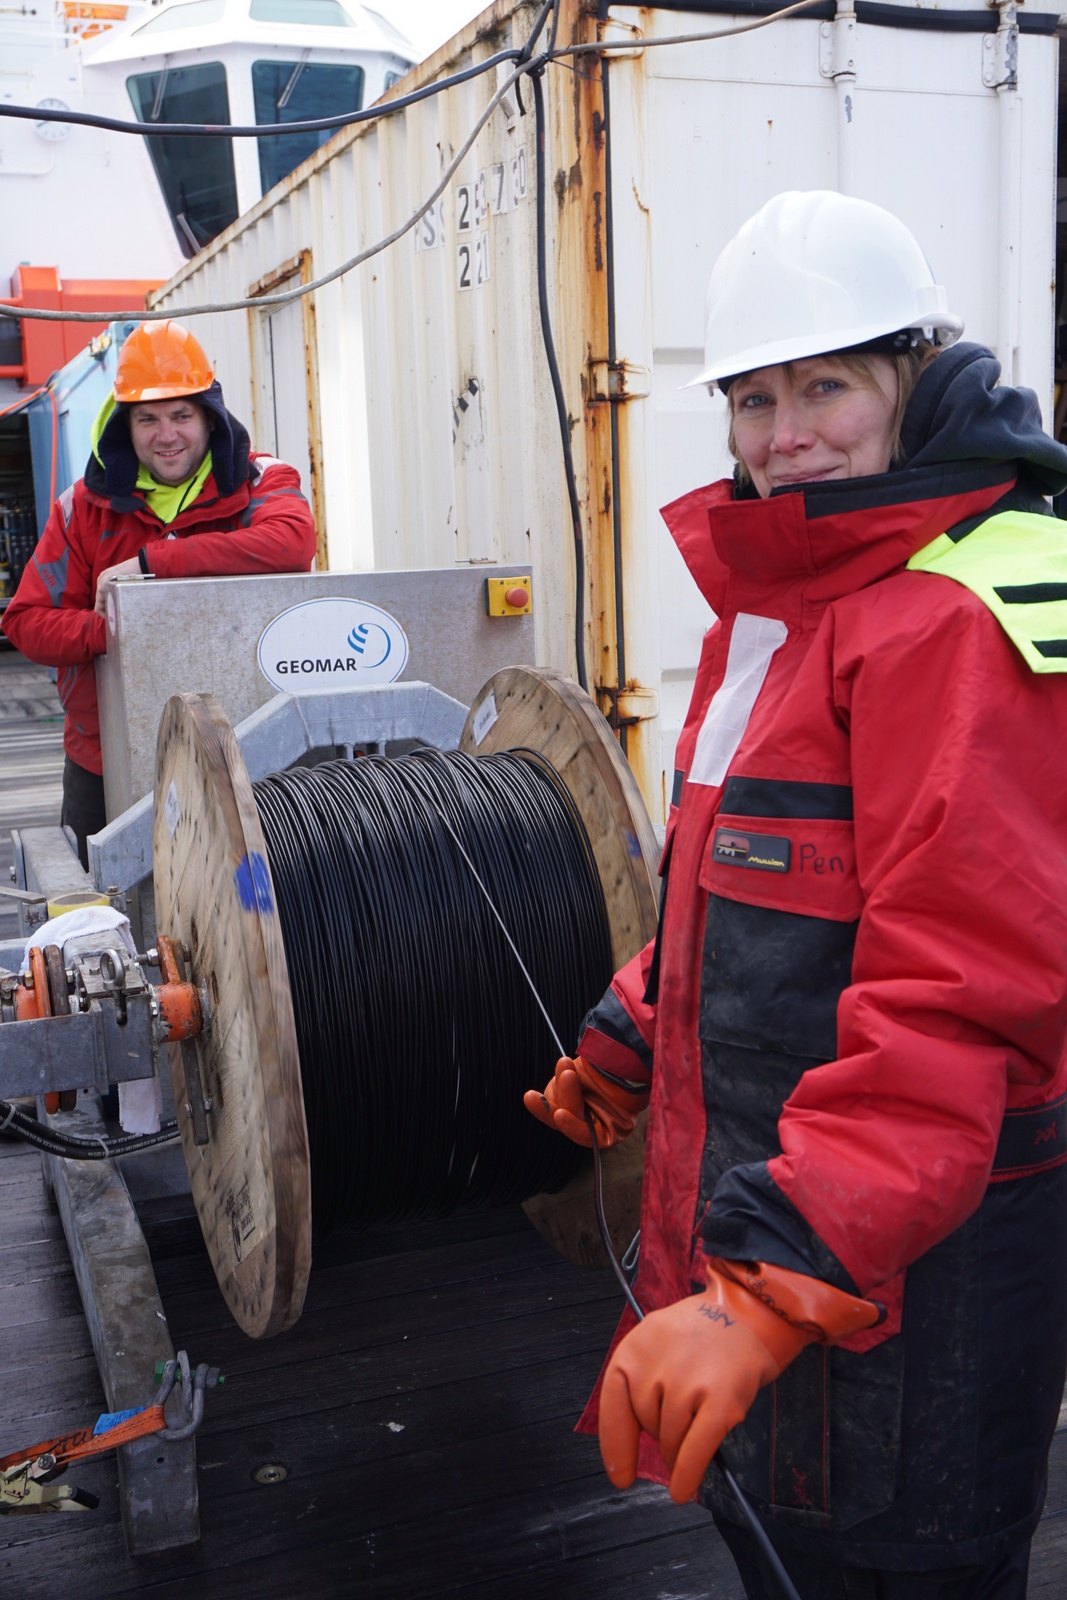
170 437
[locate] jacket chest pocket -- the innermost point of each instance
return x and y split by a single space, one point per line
783 904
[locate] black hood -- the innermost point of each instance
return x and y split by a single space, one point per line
957 413
112 468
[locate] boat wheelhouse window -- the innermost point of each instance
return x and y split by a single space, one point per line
299 91
195 174
310 13
193 14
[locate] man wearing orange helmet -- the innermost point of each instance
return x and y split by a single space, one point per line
172 490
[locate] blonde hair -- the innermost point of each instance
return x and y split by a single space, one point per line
909 365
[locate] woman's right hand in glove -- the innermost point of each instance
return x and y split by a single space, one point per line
578 1085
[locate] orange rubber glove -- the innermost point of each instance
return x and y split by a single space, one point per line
576 1085
689 1373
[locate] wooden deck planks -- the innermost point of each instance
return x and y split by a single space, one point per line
470 1336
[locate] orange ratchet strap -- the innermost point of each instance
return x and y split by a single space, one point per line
84 1442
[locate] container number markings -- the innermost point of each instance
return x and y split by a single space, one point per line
472 203
481 199
518 176
430 229
473 262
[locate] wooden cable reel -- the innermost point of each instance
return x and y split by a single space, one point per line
214 893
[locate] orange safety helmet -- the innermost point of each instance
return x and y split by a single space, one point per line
161 361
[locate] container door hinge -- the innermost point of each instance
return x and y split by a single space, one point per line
1000 50
618 380
837 45
625 707
622 34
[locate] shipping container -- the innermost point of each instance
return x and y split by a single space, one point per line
414 393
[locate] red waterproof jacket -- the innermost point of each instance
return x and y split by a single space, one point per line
261 524
857 1008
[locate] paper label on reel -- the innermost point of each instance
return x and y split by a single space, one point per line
172 810
485 717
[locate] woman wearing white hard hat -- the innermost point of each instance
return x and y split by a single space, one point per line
854 1024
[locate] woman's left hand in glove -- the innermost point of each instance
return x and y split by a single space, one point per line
689 1373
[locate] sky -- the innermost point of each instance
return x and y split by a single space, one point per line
428 23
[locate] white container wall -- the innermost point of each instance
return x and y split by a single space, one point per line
415 392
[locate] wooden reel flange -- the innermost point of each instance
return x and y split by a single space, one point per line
214 893
251 1181
539 710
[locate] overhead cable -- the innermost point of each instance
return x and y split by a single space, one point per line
261 130
526 65
345 119
286 297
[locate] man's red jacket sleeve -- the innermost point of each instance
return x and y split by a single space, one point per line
277 534
51 618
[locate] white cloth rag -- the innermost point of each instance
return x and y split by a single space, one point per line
141 1100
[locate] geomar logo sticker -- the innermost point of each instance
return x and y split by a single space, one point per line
330 643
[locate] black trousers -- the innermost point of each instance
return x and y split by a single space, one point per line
83 805
1004 1579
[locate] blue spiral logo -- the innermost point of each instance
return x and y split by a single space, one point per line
359 638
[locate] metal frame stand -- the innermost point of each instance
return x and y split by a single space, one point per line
113 1269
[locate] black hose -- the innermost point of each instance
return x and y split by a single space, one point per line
71 1146
557 385
770 1554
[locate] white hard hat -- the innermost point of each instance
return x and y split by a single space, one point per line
815 272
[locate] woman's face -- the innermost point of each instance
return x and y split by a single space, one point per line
812 420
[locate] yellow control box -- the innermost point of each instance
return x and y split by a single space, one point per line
508 597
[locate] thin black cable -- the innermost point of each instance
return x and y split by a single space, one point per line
527 49
256 130
557 386
416 1028
745 1506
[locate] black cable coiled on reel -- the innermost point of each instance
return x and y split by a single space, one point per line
417 1030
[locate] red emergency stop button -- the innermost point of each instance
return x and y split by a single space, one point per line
508 597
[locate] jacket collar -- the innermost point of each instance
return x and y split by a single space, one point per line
209 504
829 539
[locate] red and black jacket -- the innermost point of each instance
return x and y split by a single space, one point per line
857 1012
250 516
